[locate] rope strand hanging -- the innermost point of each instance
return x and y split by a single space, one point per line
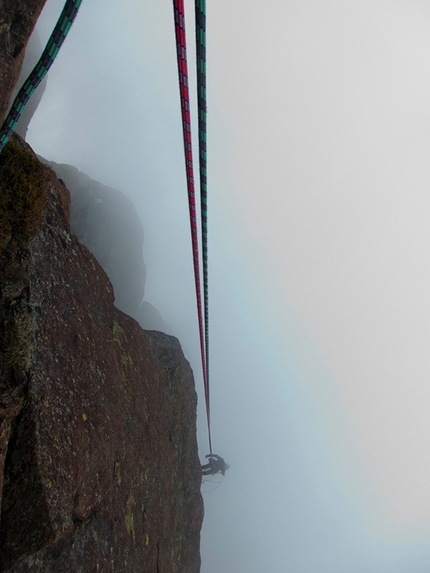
181 52
42 67
200 14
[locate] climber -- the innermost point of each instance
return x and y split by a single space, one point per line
215 465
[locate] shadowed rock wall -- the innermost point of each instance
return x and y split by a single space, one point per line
101 471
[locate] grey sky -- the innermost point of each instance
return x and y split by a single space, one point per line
319 138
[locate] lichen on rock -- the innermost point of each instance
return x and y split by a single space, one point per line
101 470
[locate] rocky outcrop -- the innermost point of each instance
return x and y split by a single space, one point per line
101 471
17 20
106 221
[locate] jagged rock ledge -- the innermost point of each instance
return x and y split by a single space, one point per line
97 417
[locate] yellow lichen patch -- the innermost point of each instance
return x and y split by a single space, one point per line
129 517
118 473
20 348
126 360
146 539
118 333
84 416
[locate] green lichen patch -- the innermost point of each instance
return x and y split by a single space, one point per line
129 516
16 345
118 333
118 477
21 348
22 193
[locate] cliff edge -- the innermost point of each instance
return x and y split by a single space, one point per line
98 455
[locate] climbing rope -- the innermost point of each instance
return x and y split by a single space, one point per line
52 48
181 52
40 70
200 15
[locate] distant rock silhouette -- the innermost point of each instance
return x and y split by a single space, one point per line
105 221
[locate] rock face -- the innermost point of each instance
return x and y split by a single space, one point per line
99 451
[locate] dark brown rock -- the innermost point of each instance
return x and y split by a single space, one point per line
102 472
10 407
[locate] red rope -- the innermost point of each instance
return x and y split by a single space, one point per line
181 51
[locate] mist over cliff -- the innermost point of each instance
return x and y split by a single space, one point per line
318 242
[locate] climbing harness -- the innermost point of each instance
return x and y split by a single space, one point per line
181 52
62 28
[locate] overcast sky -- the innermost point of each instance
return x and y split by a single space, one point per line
319 173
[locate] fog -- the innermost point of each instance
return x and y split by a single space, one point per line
318 146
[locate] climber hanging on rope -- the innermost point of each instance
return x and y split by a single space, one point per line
215 465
